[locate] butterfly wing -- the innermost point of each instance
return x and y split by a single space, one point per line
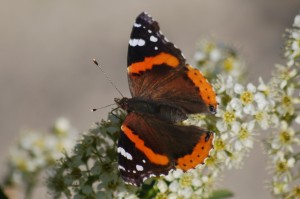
156 68
151 147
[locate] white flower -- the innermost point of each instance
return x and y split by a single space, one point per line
215 55
62 124
262 118
263 87
243 135
280 186
261 101
224 85
285 139
286 102
174 186
199 56
230 115
186 192
284 74
246 96
162 186
282 164
297 21
177 173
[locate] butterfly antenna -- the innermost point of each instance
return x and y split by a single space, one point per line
95 109
107 77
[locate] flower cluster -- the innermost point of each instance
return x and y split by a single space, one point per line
35 152
91 170
292 50
213 58
283 143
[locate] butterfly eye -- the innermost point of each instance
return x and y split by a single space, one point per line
212 109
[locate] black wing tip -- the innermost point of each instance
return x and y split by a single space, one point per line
145 18
144 15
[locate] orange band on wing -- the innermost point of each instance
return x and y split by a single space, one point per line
139 143
205 89
200 152
149 62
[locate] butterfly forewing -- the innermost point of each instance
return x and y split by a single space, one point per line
157 70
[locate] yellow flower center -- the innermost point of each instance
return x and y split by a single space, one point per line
186 180
244 134
209 47
247 97
22 165
259 116
281 167
161 196
229 116
285 137
296 192
219 144
211 161
286 100
40 143
228 64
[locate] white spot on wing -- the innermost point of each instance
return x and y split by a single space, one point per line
149 31
134 171
124 153
128 156
133 42
152 175
153 39
136 42
137 25
155 48
141 42
144 161
139 167
121 150
121 168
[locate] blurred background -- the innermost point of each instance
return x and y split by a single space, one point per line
47 47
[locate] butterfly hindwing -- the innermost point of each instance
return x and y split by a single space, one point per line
134 166
150 147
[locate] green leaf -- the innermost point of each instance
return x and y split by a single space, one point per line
147 191
221 194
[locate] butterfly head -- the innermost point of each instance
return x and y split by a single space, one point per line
123 103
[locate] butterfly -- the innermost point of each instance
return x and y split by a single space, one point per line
165 90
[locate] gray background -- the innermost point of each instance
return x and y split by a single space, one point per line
46 49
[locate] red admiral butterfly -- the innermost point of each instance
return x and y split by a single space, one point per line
165 90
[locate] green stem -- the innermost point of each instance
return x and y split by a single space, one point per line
97 154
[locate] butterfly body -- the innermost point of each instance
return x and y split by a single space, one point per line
165 90
166 112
